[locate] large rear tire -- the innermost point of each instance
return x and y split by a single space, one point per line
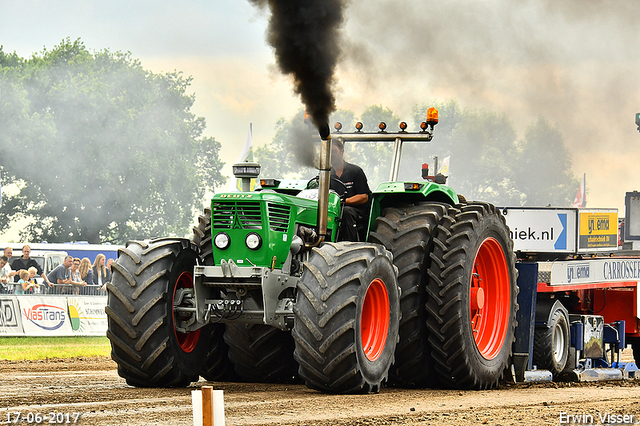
407 232
346 318
144 342
261 353
217 366
551 344
472 297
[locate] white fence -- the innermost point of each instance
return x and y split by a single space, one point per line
52 315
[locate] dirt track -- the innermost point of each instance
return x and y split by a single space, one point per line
92 387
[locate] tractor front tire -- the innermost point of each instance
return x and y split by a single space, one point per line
408 233
346 318
472 297
148 349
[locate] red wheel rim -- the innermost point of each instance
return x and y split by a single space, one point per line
187 341
490 298
374 321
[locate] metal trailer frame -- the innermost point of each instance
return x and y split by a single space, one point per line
620 314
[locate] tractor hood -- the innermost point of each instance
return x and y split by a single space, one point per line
256 228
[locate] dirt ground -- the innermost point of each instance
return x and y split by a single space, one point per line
91 387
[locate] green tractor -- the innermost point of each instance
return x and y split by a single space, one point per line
265 292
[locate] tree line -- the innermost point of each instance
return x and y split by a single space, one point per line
96 148
488 161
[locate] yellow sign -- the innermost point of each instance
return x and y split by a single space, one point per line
598 229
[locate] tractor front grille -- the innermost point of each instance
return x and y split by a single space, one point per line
279 217
236 215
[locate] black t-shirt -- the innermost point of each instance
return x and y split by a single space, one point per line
20 263
356 182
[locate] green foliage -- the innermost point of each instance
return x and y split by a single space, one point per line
487 161
285 156
99 148
544 158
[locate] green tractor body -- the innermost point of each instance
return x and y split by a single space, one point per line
282 218
267 291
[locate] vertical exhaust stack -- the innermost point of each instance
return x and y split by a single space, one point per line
306 39
324 175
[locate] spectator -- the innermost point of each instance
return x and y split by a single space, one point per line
61 274
101 275
26 262
32 279
86 275
5 275
355 213
24 286
109 262
75 276
9 253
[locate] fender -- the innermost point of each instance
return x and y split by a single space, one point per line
544 309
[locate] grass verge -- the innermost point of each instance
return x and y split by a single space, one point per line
19 348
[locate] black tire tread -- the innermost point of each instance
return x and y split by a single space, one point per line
543 346
261 353
450 351
407 232
325 310
138 321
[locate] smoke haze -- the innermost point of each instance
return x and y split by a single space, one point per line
305 36
574 62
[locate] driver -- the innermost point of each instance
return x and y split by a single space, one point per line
358 197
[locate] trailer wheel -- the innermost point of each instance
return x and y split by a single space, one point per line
472 297
407 232
217 366
261 353
346 318
145 344
551 344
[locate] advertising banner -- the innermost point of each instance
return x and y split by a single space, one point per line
10 319
87 316
542 230
607 269
597 230
52 315
45 315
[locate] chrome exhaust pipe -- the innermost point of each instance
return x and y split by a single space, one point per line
324 182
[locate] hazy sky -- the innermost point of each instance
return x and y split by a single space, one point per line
575 62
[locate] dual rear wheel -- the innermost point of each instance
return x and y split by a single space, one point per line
472 297
457 274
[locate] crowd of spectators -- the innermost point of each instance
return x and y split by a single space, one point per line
73 276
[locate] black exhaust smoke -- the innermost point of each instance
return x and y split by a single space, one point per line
305 36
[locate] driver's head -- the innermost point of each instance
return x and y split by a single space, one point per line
337 152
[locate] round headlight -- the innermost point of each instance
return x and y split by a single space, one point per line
222 241
253 241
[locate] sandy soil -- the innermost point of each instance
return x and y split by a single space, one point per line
91 387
